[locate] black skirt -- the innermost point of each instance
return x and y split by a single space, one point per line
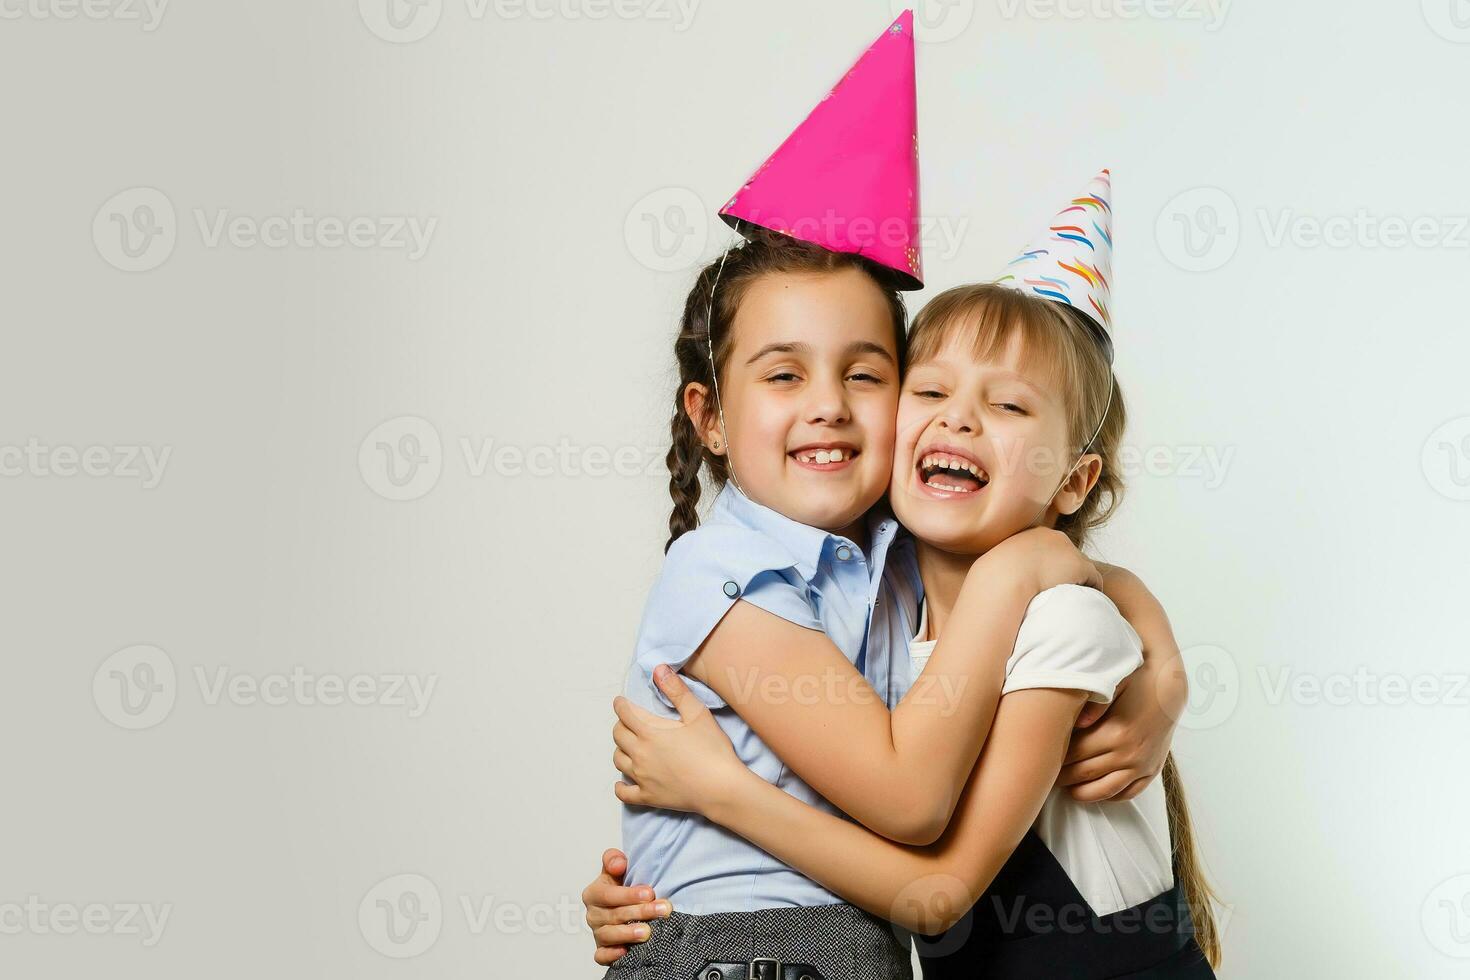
1033 924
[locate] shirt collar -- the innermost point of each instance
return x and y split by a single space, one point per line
805 543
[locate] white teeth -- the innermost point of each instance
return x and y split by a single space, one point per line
942 461
824 456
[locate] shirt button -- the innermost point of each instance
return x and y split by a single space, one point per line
731 589
844 553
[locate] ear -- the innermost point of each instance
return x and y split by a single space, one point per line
1080 481
706 422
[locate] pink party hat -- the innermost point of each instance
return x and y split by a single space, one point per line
1072 263
847 178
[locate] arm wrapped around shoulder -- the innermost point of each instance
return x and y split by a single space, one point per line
704 574
1073 638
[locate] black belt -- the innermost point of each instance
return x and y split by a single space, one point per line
760 968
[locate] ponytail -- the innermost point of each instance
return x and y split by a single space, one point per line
1188 870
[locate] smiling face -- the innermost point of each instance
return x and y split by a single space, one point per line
985 438
809 391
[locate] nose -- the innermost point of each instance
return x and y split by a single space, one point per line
953 420
827 403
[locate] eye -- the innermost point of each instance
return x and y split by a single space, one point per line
865 377
783 376
932 393
1011 407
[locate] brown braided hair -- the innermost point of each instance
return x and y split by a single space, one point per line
763 254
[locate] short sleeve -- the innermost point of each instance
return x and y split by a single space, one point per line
1073 637
706 572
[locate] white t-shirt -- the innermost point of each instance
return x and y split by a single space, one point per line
1074 638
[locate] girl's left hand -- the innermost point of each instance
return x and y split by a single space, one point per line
677 765
1116 758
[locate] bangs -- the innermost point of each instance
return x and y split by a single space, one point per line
986 319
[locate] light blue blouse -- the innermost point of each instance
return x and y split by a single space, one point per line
866 603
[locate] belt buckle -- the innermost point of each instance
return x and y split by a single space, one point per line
764 968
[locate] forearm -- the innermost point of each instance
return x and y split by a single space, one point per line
926 889
865 869
901 772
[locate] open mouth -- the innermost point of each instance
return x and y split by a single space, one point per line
952 473
825 458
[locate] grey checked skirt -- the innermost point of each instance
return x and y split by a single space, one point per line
843 942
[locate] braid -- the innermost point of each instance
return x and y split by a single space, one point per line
686 453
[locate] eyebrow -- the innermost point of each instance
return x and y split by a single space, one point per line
801 347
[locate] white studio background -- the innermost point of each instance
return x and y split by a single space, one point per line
336 361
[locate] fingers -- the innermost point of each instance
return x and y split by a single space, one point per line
1102 789
608 956
628 793
1108 735
623 737
621 935
1090 769
678 693
603 899
1133 789
614 863
1091 712
623 763
626 712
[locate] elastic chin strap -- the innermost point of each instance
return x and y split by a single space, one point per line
709 336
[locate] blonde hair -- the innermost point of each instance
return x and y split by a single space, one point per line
1060 341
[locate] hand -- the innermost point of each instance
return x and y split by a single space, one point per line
676 765
1116 758
616 914
1047 557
